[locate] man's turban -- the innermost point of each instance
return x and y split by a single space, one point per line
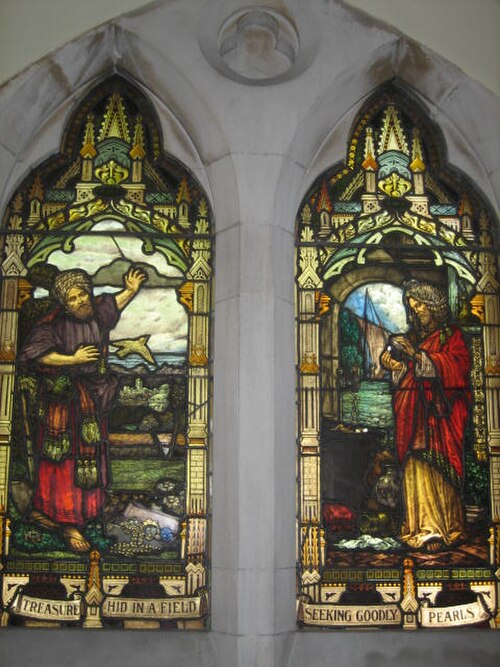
66 280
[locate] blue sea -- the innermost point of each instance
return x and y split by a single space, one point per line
371 406
133 360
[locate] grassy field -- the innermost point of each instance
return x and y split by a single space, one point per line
134 475
128 476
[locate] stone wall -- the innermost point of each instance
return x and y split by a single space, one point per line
256 103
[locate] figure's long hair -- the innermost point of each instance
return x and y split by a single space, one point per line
432 296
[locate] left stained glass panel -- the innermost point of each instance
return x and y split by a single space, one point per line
105 380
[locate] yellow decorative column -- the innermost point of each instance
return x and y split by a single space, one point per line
94 594
311 544
197 296
479 413
409 603
12 269
488 287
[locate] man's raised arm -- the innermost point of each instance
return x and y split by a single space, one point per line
133 280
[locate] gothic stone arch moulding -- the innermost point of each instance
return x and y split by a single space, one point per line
105 372
398 381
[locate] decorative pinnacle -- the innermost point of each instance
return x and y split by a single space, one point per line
417 165
115 122
392 137
17 203
183 192
88 147
465 207
36 191
369 163
137 151
324 203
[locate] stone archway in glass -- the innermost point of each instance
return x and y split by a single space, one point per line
132 542
394 216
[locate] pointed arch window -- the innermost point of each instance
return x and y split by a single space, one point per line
105 379
398 334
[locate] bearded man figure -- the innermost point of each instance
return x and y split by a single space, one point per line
430 368
68 350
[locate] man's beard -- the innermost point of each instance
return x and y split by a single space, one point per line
83 312
424 330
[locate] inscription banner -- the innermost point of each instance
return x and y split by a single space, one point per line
159 609
336 615
449 617
44 609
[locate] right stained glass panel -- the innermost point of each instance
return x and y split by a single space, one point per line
398 363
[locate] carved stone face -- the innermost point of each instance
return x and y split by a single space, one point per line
78 303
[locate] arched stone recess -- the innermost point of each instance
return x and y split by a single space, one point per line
38 102
319 141
394 210
447 93
113 204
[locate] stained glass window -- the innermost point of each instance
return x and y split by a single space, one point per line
398 343
106 293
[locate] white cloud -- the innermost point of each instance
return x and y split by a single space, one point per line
154 311
387 301
93 252
158 313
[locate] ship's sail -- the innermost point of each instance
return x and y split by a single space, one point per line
375 339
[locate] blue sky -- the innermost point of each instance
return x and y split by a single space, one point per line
388 302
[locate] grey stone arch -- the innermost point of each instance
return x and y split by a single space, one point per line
318 143
154 58
64 198
332 263
36 108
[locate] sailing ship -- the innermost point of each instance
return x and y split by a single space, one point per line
375 339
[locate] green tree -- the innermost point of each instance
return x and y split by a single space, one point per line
350 336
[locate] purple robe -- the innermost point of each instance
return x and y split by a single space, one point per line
92 392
